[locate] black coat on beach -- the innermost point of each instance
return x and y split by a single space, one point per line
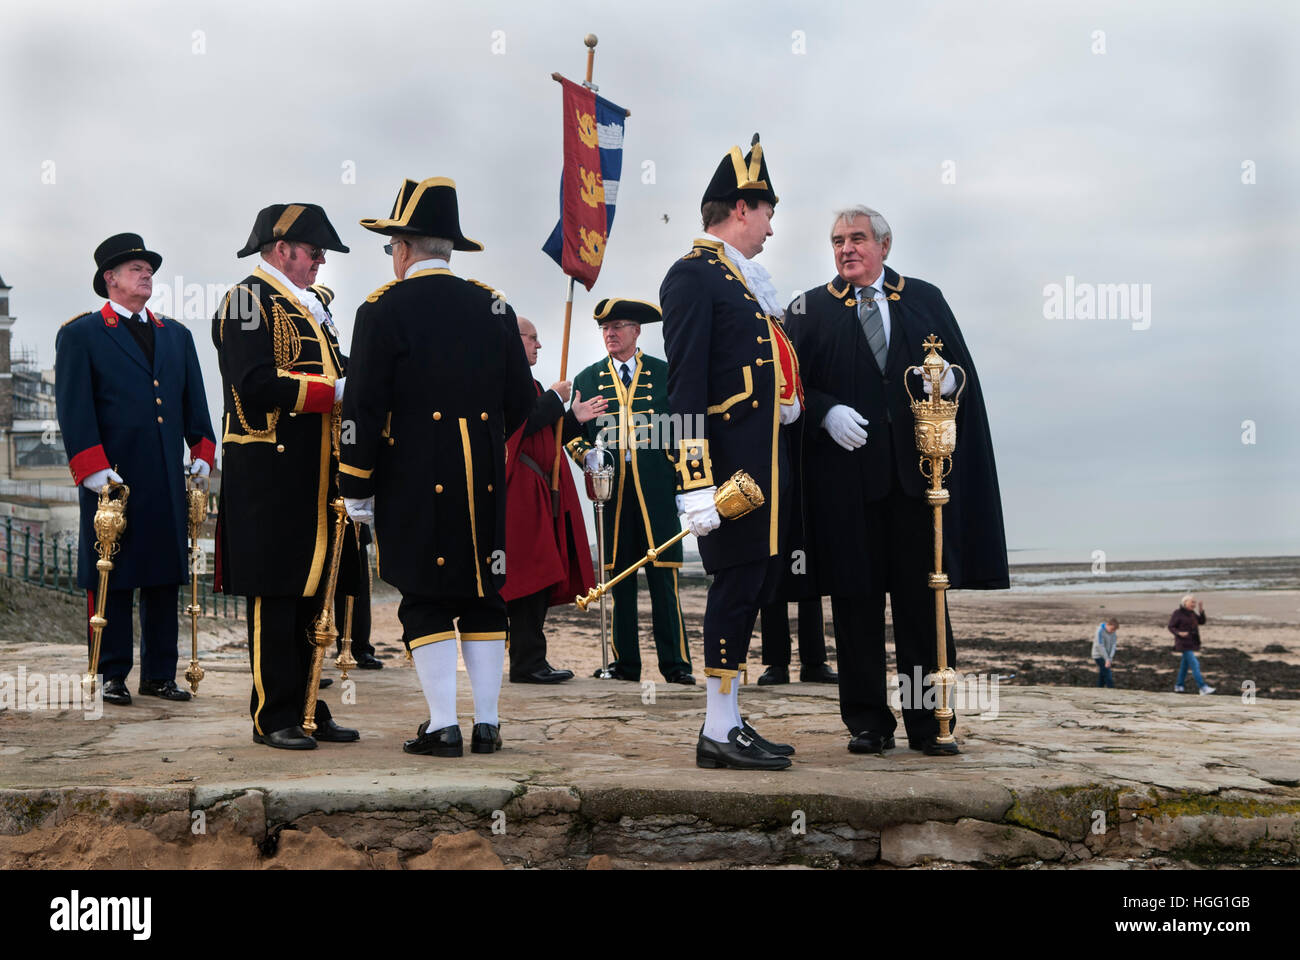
837 367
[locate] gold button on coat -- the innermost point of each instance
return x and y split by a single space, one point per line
160 419
441 561
437 415
483 415
437 488
158 400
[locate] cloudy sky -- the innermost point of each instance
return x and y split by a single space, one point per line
1012 146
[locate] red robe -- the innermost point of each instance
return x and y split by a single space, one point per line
542 551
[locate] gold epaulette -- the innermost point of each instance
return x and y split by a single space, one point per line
496 294
325 293
693 254
381 291
77 317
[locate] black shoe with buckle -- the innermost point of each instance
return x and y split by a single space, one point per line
115 691
166 689
776 749
738 753
486 738
446 742
774 675
869 742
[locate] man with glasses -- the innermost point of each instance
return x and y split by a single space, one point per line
283 375
642 512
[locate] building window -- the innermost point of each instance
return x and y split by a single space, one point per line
30 450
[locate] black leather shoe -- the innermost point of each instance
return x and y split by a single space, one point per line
738 753
869 742
544 675
818 674
370 662
682 677
446 742
776 749
115 691
331 732
166 689
485 739
325 682
290 738
931 747
616 673
774 675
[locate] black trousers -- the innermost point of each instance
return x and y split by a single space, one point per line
900 531
361 645
280 652
775 627
527 631
735 596
159 629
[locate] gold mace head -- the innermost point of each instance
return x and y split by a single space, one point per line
197 501
110 518
935 419
738 496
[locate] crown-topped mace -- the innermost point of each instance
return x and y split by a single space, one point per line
936 438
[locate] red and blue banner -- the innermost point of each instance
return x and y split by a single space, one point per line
593 161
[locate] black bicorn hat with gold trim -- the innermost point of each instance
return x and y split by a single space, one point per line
426 209
118 249
740 177
614 309
295 222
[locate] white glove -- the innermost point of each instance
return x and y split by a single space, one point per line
97 480
845 424
700 511
790 412
360 511
200 467
338 389
946 386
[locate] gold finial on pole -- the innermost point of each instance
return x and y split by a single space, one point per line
110 524
735 498
196 496
936 439
345 661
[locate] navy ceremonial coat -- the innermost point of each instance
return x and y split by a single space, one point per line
118 411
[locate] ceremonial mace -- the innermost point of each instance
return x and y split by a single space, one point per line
196 498
110 524
345 661
735 498
600 486
936 438
323 630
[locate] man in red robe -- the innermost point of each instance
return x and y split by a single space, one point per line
548 561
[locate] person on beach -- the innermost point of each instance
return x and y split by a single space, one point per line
1103 651
1185 626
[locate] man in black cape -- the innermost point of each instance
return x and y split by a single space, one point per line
868 521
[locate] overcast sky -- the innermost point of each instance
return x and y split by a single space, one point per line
1010 145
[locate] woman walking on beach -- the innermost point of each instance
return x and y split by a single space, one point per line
1185 626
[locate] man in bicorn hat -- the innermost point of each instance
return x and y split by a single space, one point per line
440 383
130 398
869 525
732 382
642 512
283 375
546 538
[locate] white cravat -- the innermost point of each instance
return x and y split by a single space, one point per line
303 296
756 278
881 301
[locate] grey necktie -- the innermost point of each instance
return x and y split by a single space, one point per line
873 325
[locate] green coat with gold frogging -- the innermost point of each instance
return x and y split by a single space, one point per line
634 421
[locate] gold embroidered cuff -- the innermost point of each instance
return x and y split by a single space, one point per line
694 466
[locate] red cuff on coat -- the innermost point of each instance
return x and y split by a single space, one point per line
88 461
205 449
319 397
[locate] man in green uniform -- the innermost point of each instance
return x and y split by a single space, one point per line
642 511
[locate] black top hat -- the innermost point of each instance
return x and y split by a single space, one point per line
300 222
119 249
738 177
425 209
621 308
